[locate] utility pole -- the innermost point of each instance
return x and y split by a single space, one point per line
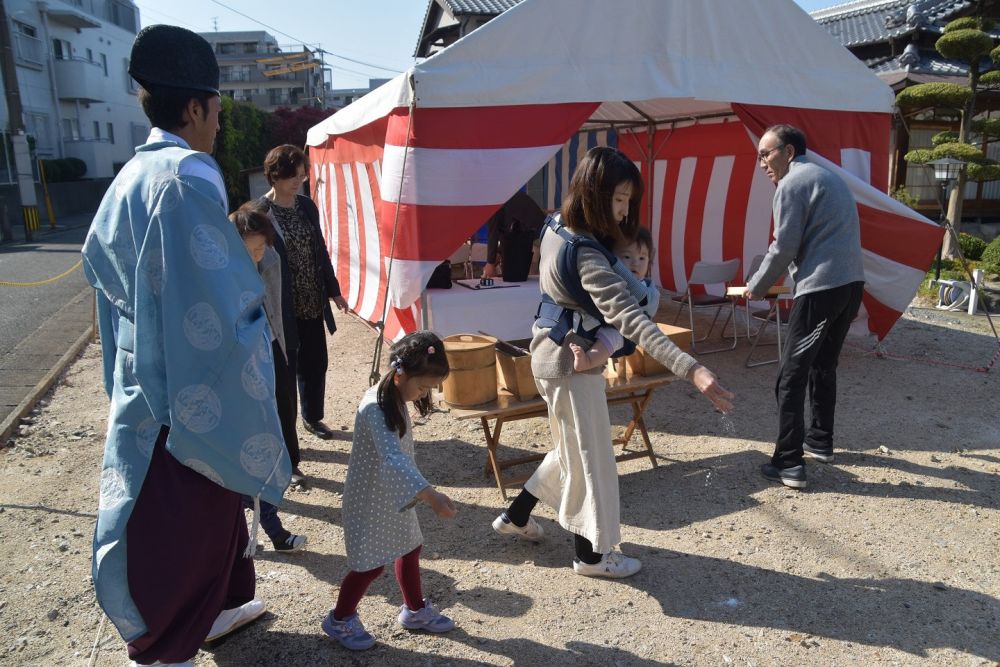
18 139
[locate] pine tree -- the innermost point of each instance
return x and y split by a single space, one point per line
963 39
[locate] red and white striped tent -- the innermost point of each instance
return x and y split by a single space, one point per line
406 174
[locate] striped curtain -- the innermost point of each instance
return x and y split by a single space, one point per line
705 195
557 173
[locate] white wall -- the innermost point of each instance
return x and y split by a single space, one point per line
46 115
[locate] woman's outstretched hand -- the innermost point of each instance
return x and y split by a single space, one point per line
709 385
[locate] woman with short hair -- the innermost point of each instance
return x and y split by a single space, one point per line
314 284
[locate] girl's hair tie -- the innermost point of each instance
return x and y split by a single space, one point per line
430 349
397 366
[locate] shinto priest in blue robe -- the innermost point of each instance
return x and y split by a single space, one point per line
186 345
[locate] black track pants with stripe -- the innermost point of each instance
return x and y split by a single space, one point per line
817 327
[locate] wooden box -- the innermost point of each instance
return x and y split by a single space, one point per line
640 363
514 369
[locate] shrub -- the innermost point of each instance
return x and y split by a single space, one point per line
990 258
64 169
903 195
75 168
946 265
972 246
53 170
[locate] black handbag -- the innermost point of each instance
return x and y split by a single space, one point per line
441 278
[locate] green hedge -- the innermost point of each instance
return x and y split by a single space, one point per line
64 169
990 258
972 246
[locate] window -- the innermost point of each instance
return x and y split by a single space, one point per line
111 132
37 125
25 29
249 47
27 47
97 130
277 96
71 129
62 49
227 49
104 63
130 84
90 56
123 14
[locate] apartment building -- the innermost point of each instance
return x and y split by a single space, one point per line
78 100
254 68
339 98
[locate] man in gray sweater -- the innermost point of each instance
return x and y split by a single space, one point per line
817 239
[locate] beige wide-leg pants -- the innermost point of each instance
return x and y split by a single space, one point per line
579 477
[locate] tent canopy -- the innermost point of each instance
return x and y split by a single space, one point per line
412 169
660 59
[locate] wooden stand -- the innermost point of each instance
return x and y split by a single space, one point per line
635 391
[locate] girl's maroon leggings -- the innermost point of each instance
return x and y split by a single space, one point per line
355 584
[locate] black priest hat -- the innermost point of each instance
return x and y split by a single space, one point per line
173 57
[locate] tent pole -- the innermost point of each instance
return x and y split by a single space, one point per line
373 375
647 154
650 158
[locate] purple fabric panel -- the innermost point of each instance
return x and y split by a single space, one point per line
185 542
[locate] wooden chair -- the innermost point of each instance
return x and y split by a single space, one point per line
709 273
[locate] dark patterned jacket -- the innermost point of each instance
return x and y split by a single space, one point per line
328 285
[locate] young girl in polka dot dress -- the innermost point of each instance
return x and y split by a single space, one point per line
383 485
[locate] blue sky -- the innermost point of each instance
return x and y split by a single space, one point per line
381 34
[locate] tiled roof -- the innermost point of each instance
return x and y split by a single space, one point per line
480 7
927 65
873 21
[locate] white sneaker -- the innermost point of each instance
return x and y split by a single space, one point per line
531 531
232 619
615 565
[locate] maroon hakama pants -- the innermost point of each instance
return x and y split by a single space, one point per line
185 541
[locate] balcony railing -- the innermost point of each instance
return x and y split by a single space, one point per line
80 79
117 12
232 77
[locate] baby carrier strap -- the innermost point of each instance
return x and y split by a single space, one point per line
558 319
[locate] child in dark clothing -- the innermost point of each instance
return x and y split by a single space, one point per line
257 233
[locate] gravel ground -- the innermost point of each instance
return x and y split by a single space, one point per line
889 558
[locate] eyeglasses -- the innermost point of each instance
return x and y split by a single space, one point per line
763 155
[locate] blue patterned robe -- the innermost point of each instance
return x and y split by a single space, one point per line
186 344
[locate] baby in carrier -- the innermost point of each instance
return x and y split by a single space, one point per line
636 254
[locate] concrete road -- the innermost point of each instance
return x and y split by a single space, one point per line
23 309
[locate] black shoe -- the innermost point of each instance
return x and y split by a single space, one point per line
791 477
318 428
823 455
290 543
